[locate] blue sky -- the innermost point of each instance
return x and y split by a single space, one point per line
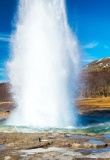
89 20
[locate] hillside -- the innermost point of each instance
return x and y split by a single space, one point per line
96 79
4 92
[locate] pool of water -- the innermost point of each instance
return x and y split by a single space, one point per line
78 136
85 124
101 128
89 151
95 142
43 150
106 136
2 147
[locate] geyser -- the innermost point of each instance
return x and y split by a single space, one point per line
43 68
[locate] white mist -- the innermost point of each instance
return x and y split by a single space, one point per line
43 70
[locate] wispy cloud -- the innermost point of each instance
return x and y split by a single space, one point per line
106 47
4 37
91 45
88 60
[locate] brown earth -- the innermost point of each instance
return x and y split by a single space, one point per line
53 146
85 105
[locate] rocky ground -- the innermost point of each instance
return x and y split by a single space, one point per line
53 146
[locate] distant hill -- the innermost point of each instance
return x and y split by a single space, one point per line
96 79
4 92
98 65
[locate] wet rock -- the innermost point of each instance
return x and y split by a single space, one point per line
95 144
77 145
39 139
38 155
67 148
72 136
7 158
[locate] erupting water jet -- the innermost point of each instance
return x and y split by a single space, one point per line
43 70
